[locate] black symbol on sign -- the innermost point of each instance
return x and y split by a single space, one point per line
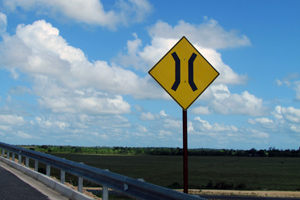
177 71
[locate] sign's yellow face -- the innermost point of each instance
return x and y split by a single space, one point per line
184 73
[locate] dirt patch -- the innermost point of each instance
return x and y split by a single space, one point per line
288 194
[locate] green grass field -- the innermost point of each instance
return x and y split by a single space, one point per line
248 173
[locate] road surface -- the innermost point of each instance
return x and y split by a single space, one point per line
15 185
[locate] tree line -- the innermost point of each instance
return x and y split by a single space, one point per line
271 152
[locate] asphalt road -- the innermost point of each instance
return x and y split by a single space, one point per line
11 188
15 185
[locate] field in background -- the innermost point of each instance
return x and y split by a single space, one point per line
242 173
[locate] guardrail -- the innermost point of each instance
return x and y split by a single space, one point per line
128 186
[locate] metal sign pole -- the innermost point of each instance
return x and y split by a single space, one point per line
185 151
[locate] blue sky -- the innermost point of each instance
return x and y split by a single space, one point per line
76 73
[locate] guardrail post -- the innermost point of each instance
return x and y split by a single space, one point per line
105 191
13 157
20 159
27 162
62 176
80 184
36 165
47 170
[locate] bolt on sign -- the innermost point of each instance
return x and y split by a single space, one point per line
184 73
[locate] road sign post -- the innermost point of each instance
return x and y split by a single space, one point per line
184 74
185 151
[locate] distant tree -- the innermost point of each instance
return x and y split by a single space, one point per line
252 151
262 153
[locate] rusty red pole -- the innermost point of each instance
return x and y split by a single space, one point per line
185 152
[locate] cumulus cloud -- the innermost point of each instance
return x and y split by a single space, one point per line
49 123
23 135
203 125
5 128
264 122
64 79
147 116
163 114
221 101
289 114
209 34
286 121
220 134
245 103
201 110
11 120
141 129
3 22
172 124
83 101
206 37
88 11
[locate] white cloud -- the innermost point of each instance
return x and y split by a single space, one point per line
5 128
290 114
287 81
287 121
190 126
164 36
142 129
163 114
264 122
163 134
147 116
3 23
88 11
39 51
209 34
203 126
23 135
90 102
297 89
50 123
61 73
245 104
258 134
278 82
172 124
220 134
11 120
201 110
295 128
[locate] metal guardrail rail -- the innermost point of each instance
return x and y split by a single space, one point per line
128 186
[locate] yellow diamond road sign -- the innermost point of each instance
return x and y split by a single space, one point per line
184 73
